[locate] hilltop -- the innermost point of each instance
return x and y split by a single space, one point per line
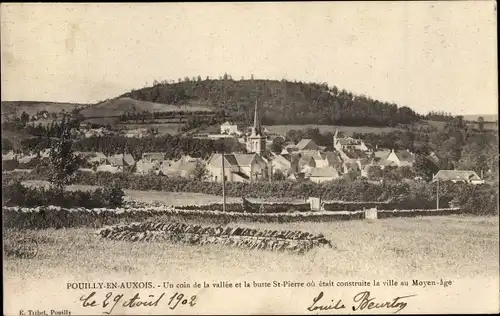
280 102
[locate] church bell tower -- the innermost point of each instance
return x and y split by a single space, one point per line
256 142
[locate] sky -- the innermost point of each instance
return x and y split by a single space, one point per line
430 56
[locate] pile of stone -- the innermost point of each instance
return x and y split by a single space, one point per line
284 241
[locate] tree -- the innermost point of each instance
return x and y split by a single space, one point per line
480 124
63 162
199 172
424 167
277 145
25 118
278 176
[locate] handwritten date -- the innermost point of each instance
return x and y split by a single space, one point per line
111 300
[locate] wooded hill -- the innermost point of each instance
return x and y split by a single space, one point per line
280 102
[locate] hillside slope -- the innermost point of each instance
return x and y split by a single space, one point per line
121 105
280 102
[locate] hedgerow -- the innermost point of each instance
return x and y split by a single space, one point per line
15 194
477 199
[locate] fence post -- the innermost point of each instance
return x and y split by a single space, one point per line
315 203
371 213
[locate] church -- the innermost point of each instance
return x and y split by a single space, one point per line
256 141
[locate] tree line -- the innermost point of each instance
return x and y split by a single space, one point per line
174 146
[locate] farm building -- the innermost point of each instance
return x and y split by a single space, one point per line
465 176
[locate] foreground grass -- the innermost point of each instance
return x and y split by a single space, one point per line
453 246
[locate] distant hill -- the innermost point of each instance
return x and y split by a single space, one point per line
280 102
487 117
32 107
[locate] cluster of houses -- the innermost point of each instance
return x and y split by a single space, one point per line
305 160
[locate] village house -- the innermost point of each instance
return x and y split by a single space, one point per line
10 155
306 145
348 143
95 132
146 167
284 163
45 153
237 167
401 158
138 133
380 155
109 168
153 156
306 162
179 168
297 176
434 158
319 175
352 155
120 161
350 166
289 149
26 158
229 128
97 158
465 176
327 159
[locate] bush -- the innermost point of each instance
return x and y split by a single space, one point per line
113 195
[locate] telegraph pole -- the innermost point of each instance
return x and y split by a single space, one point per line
223 184
437 195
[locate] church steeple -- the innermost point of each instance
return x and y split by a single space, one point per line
256 130
256 142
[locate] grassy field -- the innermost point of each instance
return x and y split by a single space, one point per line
282 129
451 247
118 106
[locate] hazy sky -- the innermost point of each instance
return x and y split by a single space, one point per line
426 55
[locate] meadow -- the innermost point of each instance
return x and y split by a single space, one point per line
451 246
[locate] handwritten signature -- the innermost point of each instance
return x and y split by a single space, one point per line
112 300
362 301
